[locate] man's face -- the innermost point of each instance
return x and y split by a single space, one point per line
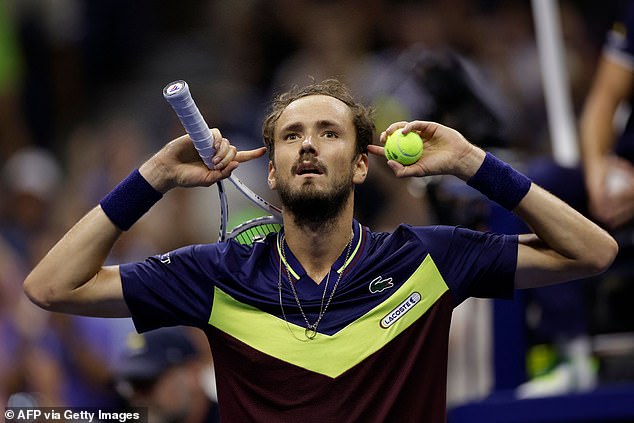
315 149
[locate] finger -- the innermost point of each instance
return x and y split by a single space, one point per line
401 171
425 129
246 155
226 171
388 131
178 146
396 125
180 149
223 147
183 139
221 151
377 150
398 169
211 176
217 138
226 156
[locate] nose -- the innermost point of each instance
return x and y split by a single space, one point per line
308 145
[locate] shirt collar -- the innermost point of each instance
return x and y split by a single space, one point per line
340 265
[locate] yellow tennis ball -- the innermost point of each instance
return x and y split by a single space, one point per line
405 149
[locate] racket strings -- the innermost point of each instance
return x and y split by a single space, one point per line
256 233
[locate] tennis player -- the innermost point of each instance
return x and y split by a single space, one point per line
325 320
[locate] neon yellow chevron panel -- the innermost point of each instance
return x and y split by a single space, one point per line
325 354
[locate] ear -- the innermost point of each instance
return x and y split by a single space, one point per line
271 175
360 169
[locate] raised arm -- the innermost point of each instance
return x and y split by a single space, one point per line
565 245
612 85
71 278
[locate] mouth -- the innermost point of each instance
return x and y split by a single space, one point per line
309 168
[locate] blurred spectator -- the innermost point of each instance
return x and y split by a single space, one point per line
63 359
31 178
608 152
607 174
28 180
163 371
85 350
26 366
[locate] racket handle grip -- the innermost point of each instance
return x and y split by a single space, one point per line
177 94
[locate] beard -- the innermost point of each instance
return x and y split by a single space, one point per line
315 209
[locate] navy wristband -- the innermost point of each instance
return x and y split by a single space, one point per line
500 182
129 200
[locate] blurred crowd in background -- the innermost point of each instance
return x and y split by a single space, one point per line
81 106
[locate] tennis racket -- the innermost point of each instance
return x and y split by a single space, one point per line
179 97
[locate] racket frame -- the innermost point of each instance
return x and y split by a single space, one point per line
178 95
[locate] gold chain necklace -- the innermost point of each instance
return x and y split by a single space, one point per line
311 329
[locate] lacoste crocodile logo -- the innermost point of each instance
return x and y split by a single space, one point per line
379 284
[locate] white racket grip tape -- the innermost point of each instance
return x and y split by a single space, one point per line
178 96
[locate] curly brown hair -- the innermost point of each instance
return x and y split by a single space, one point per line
363 116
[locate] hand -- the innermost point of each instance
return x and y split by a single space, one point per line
611 192
446 151
178 163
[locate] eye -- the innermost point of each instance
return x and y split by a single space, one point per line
331 134
291 136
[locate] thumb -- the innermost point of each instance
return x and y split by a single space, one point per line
401 171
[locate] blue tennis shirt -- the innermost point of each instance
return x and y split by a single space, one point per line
380 353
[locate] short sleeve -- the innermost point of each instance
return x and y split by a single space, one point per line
169 289
473 263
